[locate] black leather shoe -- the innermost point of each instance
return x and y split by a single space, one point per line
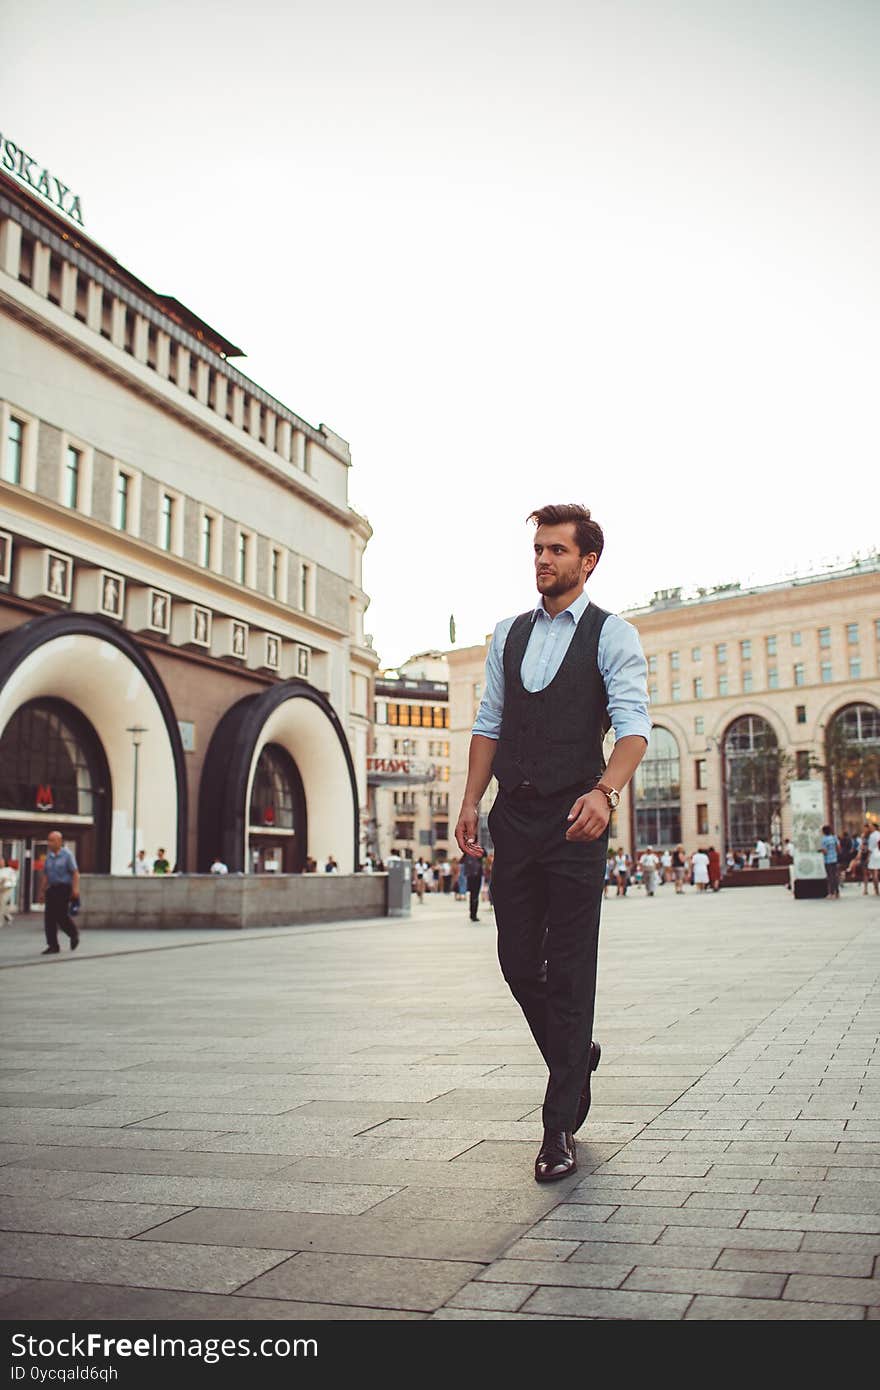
51 951
556 1156
583 1109
74 941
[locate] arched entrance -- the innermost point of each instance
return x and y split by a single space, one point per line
81 683
657 798
277 828
53 776
852 764
297 719
752 781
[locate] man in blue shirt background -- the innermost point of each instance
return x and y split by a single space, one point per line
62 885
829 853
557 679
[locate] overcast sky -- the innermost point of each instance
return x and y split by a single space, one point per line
621 252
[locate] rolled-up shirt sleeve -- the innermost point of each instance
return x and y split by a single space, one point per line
488 720
625 672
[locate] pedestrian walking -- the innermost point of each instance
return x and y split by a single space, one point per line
446 875
679 867
610 875
419 878
556 677
873 863
666 866
650 863
829 854
60 892
473 869
8 883
714 868
700 870
621 870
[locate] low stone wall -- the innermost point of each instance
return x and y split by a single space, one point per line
239 900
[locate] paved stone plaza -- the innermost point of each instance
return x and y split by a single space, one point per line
340 1122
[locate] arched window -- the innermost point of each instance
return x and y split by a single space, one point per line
658 792
49 761
752 781
852 763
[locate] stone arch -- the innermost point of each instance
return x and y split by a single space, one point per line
300 720
95 667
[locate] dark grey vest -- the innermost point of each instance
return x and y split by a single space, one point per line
552 738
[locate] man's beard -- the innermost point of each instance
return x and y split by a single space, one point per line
565 581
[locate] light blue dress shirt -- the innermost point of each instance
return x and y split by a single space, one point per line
620 658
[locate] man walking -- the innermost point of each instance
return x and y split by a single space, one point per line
473 870
556 679
62 884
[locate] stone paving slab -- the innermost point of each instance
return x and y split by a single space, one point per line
340 1121
370 1234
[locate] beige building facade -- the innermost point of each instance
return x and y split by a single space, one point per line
749 690
409 769
177 555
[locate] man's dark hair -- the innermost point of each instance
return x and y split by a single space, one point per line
587 533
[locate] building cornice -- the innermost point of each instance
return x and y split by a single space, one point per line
161 568
67 243
52 323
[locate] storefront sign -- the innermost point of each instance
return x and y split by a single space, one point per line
381 771
29 172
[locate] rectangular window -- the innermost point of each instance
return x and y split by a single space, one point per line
166 521
702 774
699 724
855 668
415 716
799 673
824 636
673 661
745 649
771 646
796 639
652 664
71 476
852 634
305 577
877 628
723 685
653 693
800 714
773 677
676 690
702 818
439 721
242 566
748 682
698 688
403 715
274 573
721 653
826 672
123 494
392 719
802 761
207 539
14 451
696 654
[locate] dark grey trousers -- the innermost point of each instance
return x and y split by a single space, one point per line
547 895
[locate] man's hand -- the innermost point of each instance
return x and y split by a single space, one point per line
589 816
466 832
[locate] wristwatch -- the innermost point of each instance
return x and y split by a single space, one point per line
611 795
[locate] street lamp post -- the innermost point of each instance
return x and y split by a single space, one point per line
135 730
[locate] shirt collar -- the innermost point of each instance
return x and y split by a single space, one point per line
576 609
